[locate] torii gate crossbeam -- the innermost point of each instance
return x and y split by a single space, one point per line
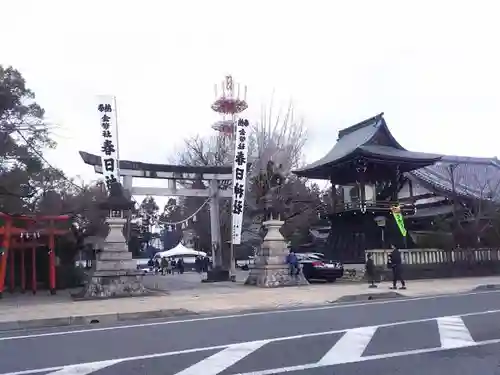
174 173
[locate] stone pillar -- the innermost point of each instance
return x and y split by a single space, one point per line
128 184
270 269
219 272
215 224
115 273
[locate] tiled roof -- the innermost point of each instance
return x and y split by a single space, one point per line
478 177
349 140
370 138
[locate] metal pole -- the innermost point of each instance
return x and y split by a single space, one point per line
232 268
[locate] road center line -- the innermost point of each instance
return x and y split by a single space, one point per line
233 316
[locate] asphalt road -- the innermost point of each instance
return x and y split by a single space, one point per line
457 334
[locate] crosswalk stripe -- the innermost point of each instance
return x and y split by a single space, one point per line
84 369
220 361
350 347
453 332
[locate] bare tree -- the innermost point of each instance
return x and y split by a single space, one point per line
475 198
215 150
278 139
276 148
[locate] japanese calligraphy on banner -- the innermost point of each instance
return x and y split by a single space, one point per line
109 145
239 179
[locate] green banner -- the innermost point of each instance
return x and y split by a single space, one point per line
398 216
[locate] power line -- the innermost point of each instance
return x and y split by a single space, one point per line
55 169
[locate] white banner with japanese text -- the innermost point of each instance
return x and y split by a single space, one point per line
239 179
109 138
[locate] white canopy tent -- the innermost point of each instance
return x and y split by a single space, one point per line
180 251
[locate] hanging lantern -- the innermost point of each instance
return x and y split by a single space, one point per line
194 218
169 228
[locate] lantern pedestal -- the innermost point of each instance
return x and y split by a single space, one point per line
115 273
217 274
270 269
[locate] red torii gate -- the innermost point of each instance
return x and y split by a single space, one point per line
10 232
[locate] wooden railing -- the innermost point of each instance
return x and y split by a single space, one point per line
372 206
437 256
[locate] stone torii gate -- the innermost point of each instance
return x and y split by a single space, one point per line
173 173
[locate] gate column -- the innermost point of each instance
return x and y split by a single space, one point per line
215 224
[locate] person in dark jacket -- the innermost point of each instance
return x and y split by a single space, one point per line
180 265
370 270
395 263
163 265
293 263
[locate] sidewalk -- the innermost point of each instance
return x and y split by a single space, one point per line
31 311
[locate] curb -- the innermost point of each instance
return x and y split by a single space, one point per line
486 287
82 320
368 297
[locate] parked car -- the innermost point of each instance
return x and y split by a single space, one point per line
316 267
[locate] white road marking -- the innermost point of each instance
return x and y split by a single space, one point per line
311 366
350 346
286 338
85 369
219 317
124 359
36 371
224 359
453 333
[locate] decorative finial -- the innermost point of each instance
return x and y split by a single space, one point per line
229 85
229 104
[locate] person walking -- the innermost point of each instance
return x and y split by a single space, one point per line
164 263
395 263
180 266
293 263
370 271
169 267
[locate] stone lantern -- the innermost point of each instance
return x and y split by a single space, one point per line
381 223
116 204
115 273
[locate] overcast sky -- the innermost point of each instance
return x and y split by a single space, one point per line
431 66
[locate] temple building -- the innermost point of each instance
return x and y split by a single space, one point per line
373 172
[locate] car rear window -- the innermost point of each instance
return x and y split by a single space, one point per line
314 256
